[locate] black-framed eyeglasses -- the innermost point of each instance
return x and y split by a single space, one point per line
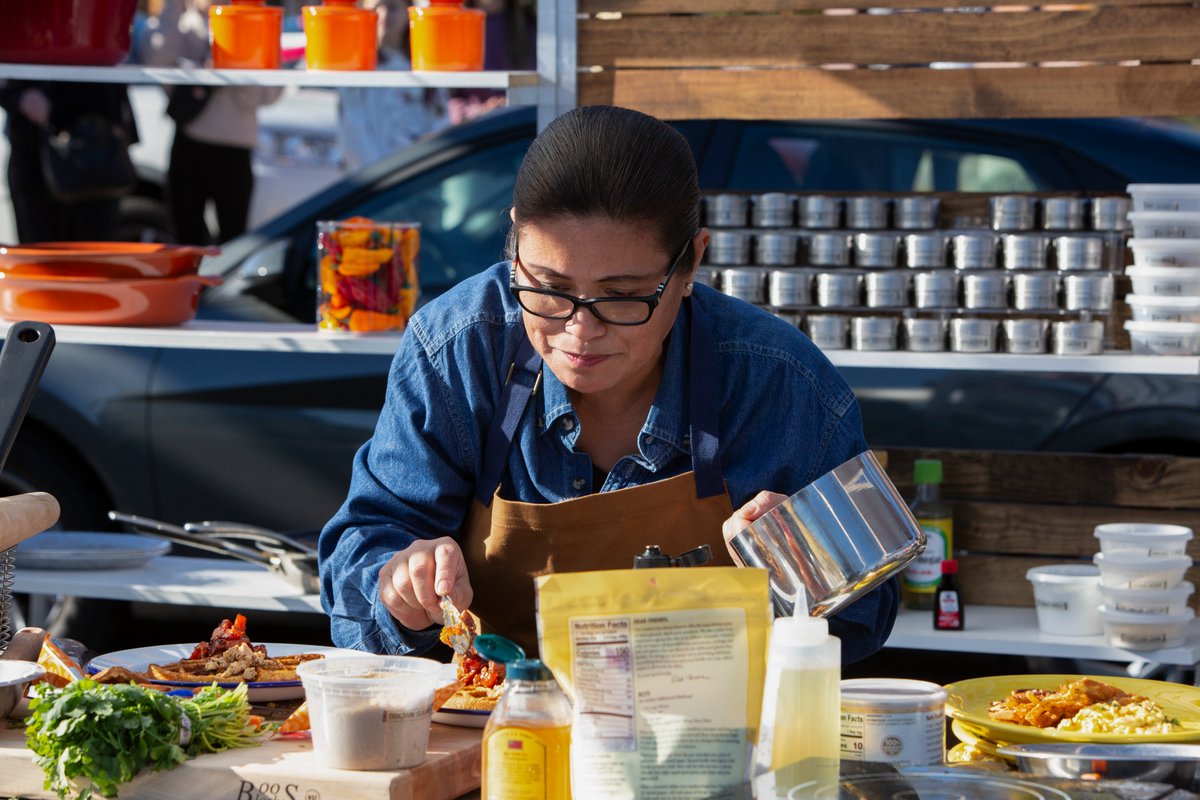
549 304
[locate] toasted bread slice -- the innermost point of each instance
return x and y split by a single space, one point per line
474 698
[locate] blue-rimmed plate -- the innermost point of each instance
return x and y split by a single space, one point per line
461 717
139 660
86 550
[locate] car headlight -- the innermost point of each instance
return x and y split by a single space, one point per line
283 148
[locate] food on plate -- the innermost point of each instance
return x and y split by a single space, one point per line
297 722
230 656
129 728
480 681
242 662
1085 705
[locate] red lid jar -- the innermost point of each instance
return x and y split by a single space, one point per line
339 35
245 35
445 36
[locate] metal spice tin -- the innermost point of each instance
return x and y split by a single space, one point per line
873 333
827 331
829 249
893 720
820 211
837 289
924 335
788 288
726 210
915 213
773 210
866 213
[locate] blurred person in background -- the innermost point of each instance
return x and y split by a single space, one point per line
509 43
35 109
216 128
374 122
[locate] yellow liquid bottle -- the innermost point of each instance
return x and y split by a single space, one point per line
921 576
527 741
800 727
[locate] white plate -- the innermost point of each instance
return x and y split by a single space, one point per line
138 659
85 550
462 717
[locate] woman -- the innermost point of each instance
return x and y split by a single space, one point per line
563 410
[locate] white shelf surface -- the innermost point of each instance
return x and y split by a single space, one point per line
136 74
176 580
219 335
1013 630
292 338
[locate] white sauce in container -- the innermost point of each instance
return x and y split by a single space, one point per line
893 720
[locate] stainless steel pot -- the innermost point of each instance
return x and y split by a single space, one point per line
1176 764
839 537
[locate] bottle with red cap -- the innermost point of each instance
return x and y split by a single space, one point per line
947 604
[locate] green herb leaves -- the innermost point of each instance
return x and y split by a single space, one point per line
89 738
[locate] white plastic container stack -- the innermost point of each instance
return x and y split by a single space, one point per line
1142 566
1166 269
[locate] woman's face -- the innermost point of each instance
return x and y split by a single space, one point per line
596 257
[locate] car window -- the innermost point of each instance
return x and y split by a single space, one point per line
782 157
462 207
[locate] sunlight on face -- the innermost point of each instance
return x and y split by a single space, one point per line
596 257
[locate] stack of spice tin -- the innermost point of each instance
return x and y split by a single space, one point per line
878 273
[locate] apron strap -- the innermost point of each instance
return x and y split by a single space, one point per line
525 373
702 406
523 377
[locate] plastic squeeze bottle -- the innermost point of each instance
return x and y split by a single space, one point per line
801 716
933 515
526 743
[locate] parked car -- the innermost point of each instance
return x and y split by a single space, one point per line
268 438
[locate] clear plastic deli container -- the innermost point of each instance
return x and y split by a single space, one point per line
1165 252
1150 602
1066 597
1143 538
1164 338
1165 281
1162 308
1165 196
1135 571
1145 632
1165 224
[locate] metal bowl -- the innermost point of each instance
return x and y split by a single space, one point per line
839 537
1176 764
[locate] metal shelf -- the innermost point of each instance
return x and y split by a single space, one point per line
1122 362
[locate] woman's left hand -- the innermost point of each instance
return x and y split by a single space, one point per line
760 504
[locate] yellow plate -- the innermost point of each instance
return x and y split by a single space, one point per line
984 745
967 702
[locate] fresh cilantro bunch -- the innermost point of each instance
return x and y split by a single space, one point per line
89 738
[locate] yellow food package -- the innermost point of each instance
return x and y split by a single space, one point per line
61 669
665 668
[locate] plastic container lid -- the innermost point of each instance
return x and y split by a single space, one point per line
1064 573
1140 533
927 470
1169 328
891 694
1172 301
1131 560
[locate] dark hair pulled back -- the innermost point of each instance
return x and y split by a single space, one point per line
606 161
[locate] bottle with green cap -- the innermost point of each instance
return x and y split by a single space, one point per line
934 516
527 739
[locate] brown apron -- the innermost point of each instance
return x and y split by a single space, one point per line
506 543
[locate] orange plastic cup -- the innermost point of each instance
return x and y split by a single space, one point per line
245 35
446 37
338 35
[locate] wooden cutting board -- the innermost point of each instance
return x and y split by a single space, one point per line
282 769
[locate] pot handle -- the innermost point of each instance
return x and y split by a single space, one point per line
27 348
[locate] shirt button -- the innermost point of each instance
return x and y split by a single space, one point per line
568 424
541 423
578 483
687 440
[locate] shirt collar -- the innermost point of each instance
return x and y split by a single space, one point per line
665 432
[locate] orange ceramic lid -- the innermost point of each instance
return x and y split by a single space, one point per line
102 259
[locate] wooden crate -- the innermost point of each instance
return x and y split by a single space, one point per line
831 59
1016 510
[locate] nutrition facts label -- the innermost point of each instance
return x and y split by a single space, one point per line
604 683
911 738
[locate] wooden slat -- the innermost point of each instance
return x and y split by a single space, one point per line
1066 531
742 7
1104 35
1109 91
1129 482
1000 580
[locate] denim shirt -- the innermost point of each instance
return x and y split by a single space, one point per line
786 418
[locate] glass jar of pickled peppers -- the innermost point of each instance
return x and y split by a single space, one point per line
367 275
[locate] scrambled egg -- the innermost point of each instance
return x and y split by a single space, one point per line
1140 717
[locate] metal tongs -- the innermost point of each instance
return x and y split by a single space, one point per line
277 552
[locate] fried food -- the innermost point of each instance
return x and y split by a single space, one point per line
480 681
1045 708
224 636
241 663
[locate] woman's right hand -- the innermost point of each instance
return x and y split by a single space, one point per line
413 580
